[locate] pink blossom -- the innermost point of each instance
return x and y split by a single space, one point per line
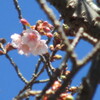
24 49
50 35
16 40
29 42
30 37
41 48
45 23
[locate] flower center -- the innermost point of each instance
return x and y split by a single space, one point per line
32 36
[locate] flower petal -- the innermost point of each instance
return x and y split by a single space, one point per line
41 48
16 40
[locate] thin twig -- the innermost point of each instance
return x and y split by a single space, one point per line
90 55
53 53
63 63
47 68
47 60
89 38
37 66
14 65
16 69
41 81
26 94
19 12
77 38
31 82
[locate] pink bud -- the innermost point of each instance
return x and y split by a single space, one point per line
46 29
24 22
45 23
66 96
50 35
50 26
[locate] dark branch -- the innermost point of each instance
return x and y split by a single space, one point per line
19 11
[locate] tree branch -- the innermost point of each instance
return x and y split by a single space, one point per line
19 12
90 83
68 9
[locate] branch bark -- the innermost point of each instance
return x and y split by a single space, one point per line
91 81
78 13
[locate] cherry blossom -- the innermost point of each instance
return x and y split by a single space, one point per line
41 48
29 42
16 40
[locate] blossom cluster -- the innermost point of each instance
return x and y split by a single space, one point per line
30 42
44 28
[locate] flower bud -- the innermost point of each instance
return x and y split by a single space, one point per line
66 96
46 29
65 26
63 77
69 97
57 57
67 72
50 35
51 47
73 89
58 47
24 22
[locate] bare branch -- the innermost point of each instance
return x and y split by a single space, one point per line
19 11
26 94
42 81
14 65
93 6
78 36
16 69
90 55
31 82
91 40
91 81
86 17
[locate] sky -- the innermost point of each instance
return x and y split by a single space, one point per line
10 84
